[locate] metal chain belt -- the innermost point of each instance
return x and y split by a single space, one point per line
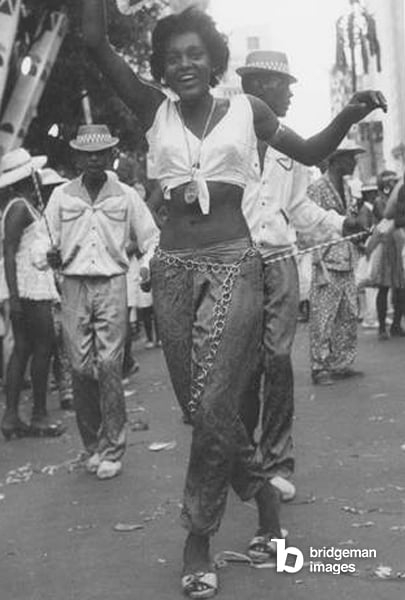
202 264
220 309
221 306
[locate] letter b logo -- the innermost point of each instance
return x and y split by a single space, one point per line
282 556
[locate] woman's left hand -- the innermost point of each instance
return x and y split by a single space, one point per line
145 279
363 103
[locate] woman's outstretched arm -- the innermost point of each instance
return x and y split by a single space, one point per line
313 150
140 97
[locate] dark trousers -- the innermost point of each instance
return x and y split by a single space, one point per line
209 320
275 376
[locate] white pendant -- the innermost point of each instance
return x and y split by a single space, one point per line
191 192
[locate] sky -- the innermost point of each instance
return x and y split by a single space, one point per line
305 30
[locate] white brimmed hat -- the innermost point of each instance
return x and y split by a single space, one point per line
18 164
348 145
266 61
49 176
93 138
370 186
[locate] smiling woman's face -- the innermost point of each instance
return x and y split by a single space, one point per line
187 66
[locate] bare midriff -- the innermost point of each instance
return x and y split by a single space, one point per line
187 227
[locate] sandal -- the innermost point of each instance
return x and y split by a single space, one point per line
200 585
46 429
14 428
262 548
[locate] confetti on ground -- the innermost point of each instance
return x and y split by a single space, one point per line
20 475
139 425
347 543
158 446
385 572
308 500
50 469
127 527
352 510
81 528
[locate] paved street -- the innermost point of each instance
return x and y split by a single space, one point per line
58 540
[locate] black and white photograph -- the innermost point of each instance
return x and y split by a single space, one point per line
202 299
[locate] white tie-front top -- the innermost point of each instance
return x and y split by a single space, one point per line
225 154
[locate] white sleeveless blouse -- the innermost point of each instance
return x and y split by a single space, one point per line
226 152
33 284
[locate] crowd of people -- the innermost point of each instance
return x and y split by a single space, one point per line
213 248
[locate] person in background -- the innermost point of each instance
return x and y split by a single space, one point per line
333 300
275 206
144 307
31 293
92 219
62 372
125 168
394 248
368 213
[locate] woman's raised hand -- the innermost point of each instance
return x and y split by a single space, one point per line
363 103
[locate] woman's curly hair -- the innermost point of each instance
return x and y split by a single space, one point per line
189 20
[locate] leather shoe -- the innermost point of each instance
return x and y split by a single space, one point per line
321 378
346 374
397 332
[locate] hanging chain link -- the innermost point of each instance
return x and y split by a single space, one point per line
221 307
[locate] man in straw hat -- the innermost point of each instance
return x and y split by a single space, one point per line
333 299
92 219
30 294
275 206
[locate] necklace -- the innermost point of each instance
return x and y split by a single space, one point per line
191 189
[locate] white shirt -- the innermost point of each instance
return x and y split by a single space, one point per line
275 205
224 155
92 236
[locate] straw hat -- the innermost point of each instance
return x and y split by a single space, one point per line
370 186
93 138
348 145
267 61
18 164
49 176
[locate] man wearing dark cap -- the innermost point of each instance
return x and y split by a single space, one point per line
92 220
334 302
275 206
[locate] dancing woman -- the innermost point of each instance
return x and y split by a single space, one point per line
206 277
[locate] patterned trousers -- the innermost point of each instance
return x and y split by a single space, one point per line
333 321
94 320
281 297
208 305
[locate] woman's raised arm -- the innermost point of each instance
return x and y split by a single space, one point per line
313 150
140 97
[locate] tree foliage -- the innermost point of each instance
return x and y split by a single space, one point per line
74 71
